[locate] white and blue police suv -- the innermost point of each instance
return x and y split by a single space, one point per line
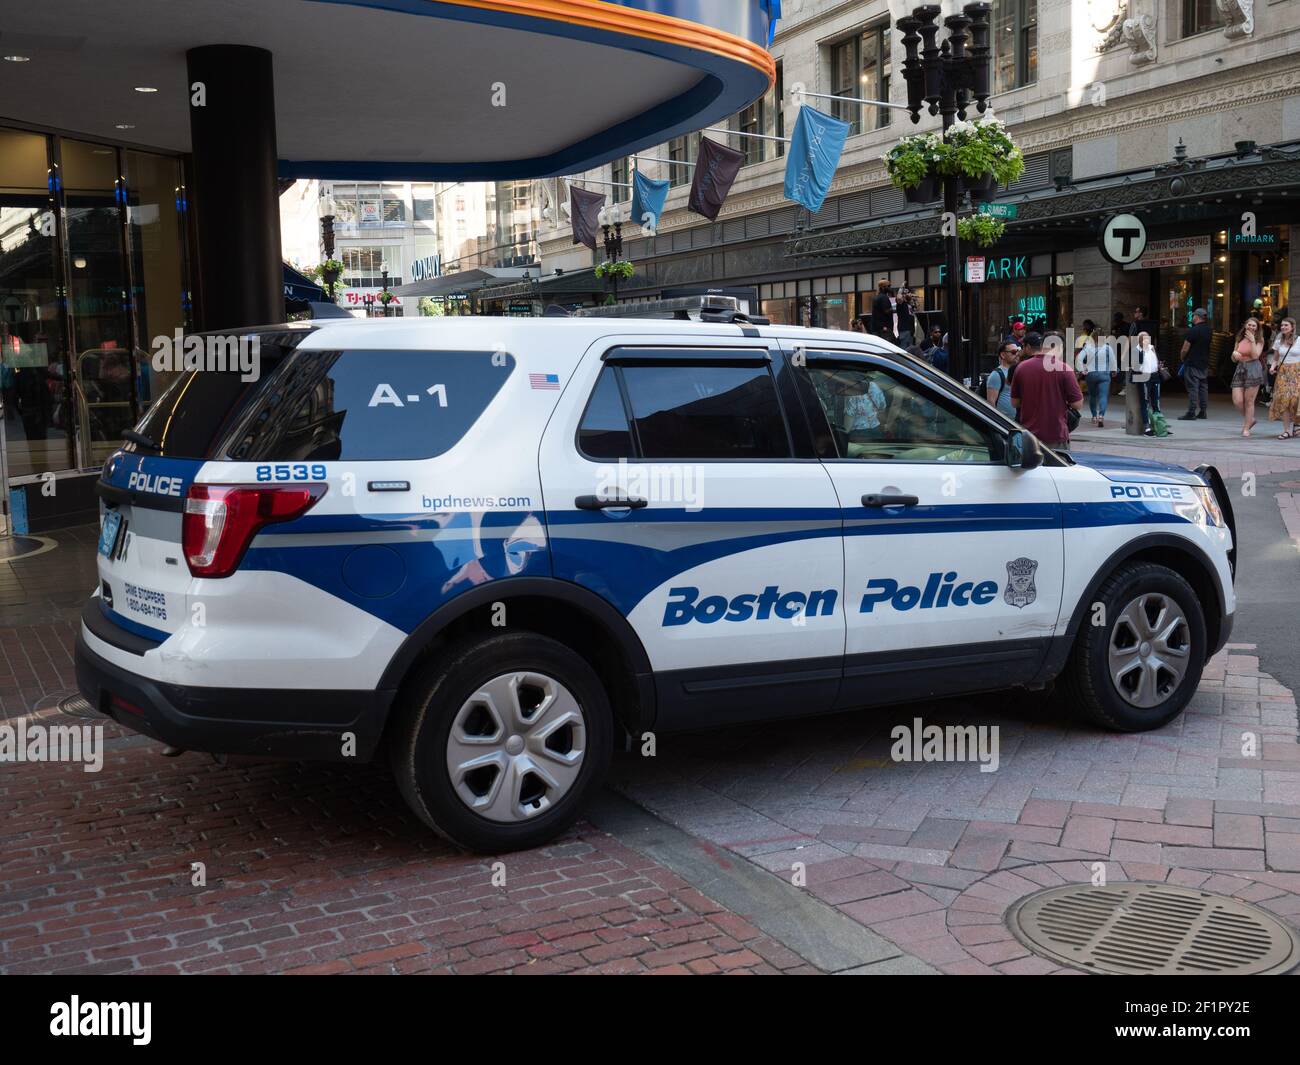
490 549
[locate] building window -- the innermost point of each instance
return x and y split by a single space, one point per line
860 68
363 265
778 108
1015 43
680 150
424 208
750 120
620 173
1200 16
764 116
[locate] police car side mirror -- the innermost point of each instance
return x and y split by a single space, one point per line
1023 451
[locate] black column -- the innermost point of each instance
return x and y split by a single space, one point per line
236 193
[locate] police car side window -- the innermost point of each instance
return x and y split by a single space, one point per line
604 432
704 410
878 416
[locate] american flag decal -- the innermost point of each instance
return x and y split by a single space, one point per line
549 381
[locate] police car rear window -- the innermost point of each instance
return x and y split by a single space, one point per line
201 403
366 405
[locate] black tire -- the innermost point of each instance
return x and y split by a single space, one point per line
426 711
1086 682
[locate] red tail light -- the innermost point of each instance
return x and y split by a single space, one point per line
221 520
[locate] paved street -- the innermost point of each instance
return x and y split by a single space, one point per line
798 846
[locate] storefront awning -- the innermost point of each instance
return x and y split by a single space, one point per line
416 90
298 286
558 286
1214 188
463 281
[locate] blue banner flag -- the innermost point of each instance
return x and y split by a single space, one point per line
648 196
773 9
815 151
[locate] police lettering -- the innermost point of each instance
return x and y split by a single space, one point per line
940 591
156 483
1145 491
684 605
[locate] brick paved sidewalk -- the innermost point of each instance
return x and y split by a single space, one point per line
320 869
308 868
932 855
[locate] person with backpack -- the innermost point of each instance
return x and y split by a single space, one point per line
997 386
1147 379
1044 394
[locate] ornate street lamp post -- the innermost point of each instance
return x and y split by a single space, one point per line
330 275
613 250
947 78
383 292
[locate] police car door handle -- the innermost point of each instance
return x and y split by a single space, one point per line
602 503
889 500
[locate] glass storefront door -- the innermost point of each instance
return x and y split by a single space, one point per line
102 350
34 369
92 267
155 231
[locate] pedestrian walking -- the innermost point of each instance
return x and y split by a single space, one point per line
1043 395
1195 357
1249 375
1284 364
997 386
1096 361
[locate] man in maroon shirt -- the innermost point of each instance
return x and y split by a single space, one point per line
1042 390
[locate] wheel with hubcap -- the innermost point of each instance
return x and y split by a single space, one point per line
500 741
1140 666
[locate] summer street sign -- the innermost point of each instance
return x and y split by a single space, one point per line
998 210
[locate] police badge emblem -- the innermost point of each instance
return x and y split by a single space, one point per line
1020 591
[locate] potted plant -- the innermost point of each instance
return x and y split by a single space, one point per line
981 229
983 155
914 165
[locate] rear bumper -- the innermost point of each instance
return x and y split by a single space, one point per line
281 723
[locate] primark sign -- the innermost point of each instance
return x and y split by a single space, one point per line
429 266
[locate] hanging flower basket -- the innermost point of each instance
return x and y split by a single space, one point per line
622 270
982 189
328 273
929 190
981 229
980 147
914 164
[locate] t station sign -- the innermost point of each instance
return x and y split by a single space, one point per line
1123 238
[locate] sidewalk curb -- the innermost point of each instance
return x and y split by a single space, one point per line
822 935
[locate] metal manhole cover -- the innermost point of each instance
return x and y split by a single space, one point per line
1135 927
77 706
